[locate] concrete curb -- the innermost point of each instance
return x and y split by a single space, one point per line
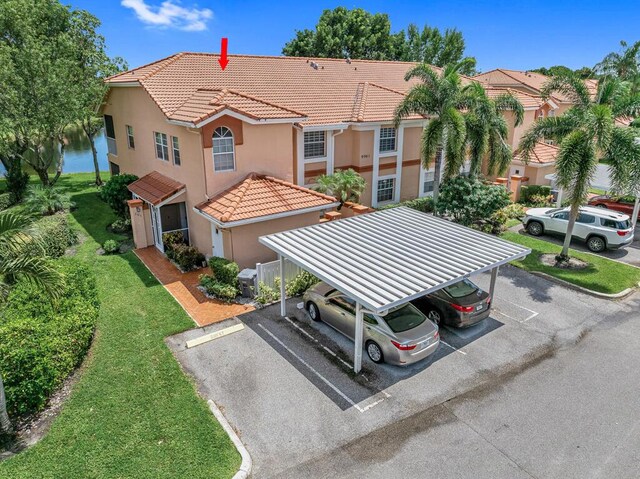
246 464
575 287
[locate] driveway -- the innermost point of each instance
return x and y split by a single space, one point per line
629 255
286 385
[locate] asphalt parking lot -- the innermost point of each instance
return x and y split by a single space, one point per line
629 254
286 384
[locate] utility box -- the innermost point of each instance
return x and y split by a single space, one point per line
247 280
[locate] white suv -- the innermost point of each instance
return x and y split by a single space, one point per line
599 228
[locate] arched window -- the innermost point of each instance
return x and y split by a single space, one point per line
223 150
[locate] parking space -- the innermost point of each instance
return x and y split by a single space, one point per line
288 387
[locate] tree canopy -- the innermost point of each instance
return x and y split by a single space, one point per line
358 34
584 72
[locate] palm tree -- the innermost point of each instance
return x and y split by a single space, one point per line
345 185
438 96
624 65
19 259
584 132
487 130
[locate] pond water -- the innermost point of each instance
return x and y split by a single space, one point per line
77 156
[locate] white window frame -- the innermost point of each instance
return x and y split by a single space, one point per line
224 138
175 148
385 137
163 144
393 198
131 140
315 142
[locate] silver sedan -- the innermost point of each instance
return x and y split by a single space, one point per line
403 336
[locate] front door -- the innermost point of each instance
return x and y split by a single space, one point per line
156 226
216 239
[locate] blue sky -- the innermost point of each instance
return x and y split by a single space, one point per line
510 34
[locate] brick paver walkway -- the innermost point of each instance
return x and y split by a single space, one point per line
183 287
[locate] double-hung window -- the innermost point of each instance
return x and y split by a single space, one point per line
110 131
130 140
223 150
429 182
315 144
387 139
176 150
162 146
386 189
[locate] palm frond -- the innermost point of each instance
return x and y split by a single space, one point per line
430 141
569 85
508 102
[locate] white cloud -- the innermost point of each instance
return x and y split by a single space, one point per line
170 14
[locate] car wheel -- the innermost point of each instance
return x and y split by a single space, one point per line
314 312
535 228
374 351
596 244
435 316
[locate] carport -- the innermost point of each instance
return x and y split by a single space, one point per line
387 258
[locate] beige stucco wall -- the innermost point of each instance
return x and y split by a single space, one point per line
411 146
537 175
409 188
242 244
343 149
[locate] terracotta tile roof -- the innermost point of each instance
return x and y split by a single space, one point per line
260 195
528 101
376 103
205 103
542 154
155 187
532 80
623 121
327 95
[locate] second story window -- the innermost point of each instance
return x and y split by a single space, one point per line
314 144
162 146
223 150
387 139
176 150
111 135
130 140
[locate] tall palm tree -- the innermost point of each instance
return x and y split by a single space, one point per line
438 96
487 129
624 65
19 259
585 132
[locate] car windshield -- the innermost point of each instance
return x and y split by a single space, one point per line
461 289
554 210
404 318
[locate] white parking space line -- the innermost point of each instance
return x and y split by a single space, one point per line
532 314
332 353
452 347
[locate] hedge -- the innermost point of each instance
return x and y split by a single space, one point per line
224 271
424 204
41 344
527 191
56 234
223 291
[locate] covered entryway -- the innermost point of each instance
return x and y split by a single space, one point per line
166 213
387 258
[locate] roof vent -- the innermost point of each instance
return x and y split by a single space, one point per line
314 65
349 60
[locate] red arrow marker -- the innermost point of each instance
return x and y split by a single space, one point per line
223 60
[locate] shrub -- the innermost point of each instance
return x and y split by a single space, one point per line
40 345
527 191
514 211
56 234
116 194
424 204
111 246
121 225
171 240
186 257
267 294
224 271
6 200
468 200
225 292
540 201
17 181
47 200
302 282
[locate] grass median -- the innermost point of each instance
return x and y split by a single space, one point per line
133 413
602 275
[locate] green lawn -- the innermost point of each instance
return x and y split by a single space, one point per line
602 274
133 413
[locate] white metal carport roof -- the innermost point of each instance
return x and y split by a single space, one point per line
387 258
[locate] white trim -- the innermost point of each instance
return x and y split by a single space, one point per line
333 126
124 84
371 125
396 194
300 156
259 219
216 232
163 202
376 166
399 152
247 119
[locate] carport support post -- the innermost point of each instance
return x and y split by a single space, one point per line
492 286
636 210
283 295
357 356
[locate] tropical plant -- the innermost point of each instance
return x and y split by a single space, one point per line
17 180
584 132
115 193
438 96
344 185
624 64
47 200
